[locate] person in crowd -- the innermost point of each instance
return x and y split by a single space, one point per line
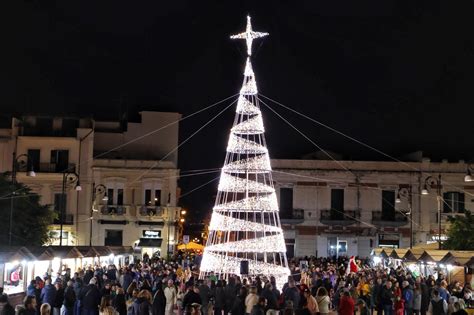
362 307
238 306
271 299
142 305
387 298
230 292
45 309
31 289
159 302
48 293
291 293
323 300
251 299
219 297
69 299
170 295
191 297
311 303
29 306
259 307
90 298
417 299
59 299
119 302
205 294
106 306
438 306
346 304
407 296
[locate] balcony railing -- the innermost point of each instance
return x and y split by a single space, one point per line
68 219
346 217
389 219
150 211
113 210
297 216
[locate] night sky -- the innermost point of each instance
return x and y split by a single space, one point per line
395 74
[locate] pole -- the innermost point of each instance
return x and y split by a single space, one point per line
11 199
92 214
61 215
439 210
168 237
410 207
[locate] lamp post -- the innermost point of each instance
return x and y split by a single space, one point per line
430 181
68 178
468 177
99 189
17 163
406 193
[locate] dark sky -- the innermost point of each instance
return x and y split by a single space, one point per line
395 74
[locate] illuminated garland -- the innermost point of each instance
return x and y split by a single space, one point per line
236 184
243 146
250 126
266 244
257 203
257 164
221 222
244 106
249 87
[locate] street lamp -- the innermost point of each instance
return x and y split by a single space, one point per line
17 163
68 178
429 182
406 193
99 189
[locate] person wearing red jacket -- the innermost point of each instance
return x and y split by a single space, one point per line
346 304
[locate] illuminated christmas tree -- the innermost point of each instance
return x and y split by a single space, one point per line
245 224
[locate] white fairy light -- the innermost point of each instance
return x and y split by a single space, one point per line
257 203
250 126
249 35
246 203
220 222
244 106
249 87
266 244
254 165
243 146
231 183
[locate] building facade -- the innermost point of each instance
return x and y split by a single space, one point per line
349 207
127 173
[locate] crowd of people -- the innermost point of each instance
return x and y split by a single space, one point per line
317 287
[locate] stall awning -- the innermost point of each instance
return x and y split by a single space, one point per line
433 255
87 251
150 242
121 250
459 258
379 252
65 252
103 251
191 246
413 254
398 253
42 252
15 253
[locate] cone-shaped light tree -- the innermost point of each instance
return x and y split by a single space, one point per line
245 224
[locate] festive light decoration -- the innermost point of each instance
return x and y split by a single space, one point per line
266 203
244 106
245 225
243 146
236 184
249 35
250 126
225 223
254 165
266 244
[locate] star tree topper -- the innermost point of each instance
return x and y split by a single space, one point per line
249 35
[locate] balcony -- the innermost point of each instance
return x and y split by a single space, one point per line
389 219
114 210
68 219
347 217
297 216
150 211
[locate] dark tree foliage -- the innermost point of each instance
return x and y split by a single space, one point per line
30 219
461 232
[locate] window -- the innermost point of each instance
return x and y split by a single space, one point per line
60 160
113 238
453 202
337 204
115 193
286 203
157 197
148 197
60 202
388 205
33 160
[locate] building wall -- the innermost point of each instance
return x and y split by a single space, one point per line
137 165
312 181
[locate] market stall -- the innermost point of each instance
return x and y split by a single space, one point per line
15 264
65 257
379 256
456 264
105 255
90 256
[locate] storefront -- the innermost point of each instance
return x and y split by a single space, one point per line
150 243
